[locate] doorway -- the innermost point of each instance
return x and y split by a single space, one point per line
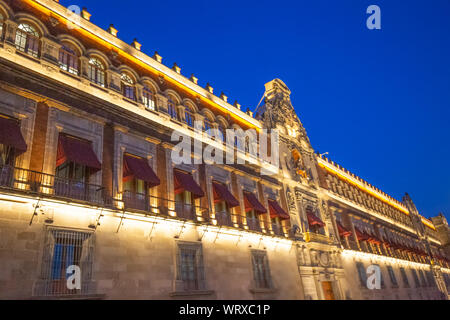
327 288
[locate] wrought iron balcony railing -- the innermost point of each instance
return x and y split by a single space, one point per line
34 182
148 203
254 224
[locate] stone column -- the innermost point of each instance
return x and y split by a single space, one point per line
10 28
161 102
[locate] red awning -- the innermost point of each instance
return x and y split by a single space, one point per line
78 151
362 236
314 220
276 211
251 202
221 193
10 135
136 167
343 232
185 182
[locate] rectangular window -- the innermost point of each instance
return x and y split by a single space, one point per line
362 274
261 271
172 111
148 99
64 248
422 278
430 279
416 278
190 270
404 277
392 276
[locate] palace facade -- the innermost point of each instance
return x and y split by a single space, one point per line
87 180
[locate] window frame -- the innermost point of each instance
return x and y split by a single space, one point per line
148 98
191 273
96 72
27 39
69 60
392 276
128 86
262 278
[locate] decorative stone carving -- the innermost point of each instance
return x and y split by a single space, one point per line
279 112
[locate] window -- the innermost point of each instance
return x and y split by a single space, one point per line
27 40
184 205
261 271
206 125
221 129
171 108
392 276
430 279
96 72
148 98
404 277
68 59
221 206
128 87
189 117
190 270
362 274
252 220
416 278
64 248
6 155
276 225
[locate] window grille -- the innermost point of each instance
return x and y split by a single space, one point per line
190 269
404 277
261 270
63 248
416 278
430 279
361 273
422 278
392 276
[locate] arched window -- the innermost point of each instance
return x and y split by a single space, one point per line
222 129
171 108
27 39
208 123
68 59
128 87
148 98
189 116
96 71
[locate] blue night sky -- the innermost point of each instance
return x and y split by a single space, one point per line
377 100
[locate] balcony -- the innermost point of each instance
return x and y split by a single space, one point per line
34 182
316 237
144 202
277 229
254 224
224 219
137 201
25 181
185 211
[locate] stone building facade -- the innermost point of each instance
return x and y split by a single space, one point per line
87 182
